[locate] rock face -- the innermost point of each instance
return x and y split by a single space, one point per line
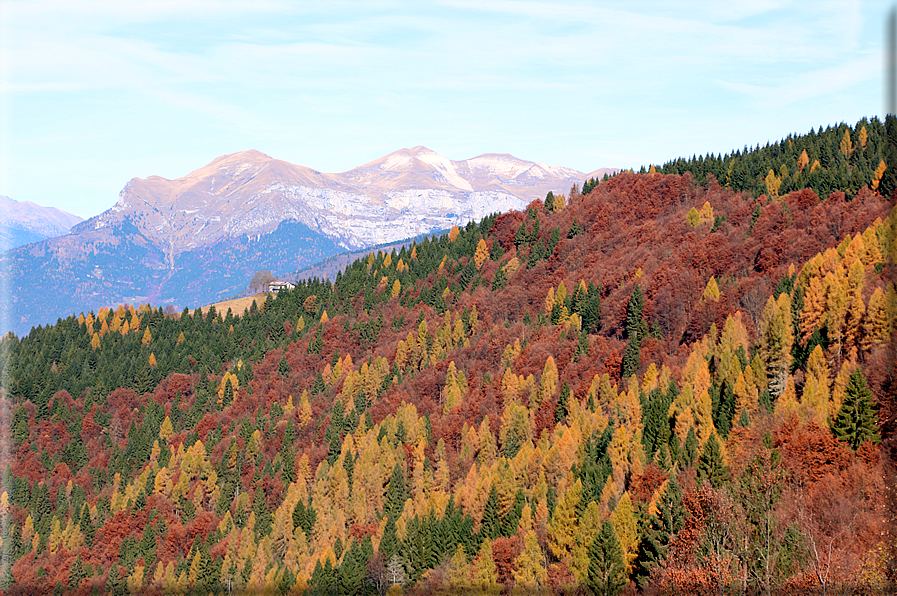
404 194
23 222
199 239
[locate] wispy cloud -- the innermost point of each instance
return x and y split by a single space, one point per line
526 76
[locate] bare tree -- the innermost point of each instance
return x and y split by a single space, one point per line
260 281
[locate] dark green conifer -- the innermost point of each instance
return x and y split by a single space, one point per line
490 526
396 494
689 452
115 583
389 544
350 576
560 412
575 229
710 465
607 571
659 531
857 421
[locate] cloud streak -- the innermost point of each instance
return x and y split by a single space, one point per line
333 81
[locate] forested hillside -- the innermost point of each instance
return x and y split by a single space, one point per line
664 383
840 158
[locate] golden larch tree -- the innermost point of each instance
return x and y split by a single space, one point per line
548 384
625 524
803 160
776 339
814 308
564 525
846 145
711 291
773 183
875 323
481 254
531 576
816 395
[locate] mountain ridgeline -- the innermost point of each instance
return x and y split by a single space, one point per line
198 239
663 383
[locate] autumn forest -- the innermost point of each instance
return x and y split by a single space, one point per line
678 381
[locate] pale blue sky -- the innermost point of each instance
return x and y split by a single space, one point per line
95 92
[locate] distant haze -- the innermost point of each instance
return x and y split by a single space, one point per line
24 222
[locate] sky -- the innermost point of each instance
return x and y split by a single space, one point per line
96 92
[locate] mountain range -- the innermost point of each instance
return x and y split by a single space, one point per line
23 222
199 238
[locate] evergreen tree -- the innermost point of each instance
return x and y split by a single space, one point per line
634 308
115 583
888 183
396 494
690 452
560 411
607 572
490 527
631 358
857 421
351 572
711 466
77 573
389 544
659 531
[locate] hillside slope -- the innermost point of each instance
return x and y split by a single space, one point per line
200 238
612 382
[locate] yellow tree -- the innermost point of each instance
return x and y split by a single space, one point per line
776 340
773 183
531 576
510 385
840 385
852 325
549 301
589 526
564 527
515 430
304 412
846 145
711 291
625 524
816 394
166 429
457 575
814 307
875 323
877 175
681 413
548 384
803 160
483 571
455 388
481 254
836 307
